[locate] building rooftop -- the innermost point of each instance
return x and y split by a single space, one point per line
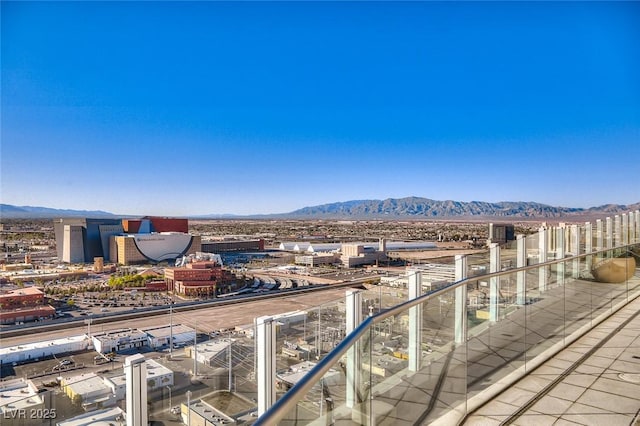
98 417
165 330
18 394
42 345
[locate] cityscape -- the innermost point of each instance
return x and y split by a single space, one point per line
319 213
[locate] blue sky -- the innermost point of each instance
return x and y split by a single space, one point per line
180 108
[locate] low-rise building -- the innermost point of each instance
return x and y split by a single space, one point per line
89 390
39 350
160 337
18 398
158 377
212 353
109 416
119 340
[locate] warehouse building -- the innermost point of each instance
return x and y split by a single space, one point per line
89 390
159 337
39 350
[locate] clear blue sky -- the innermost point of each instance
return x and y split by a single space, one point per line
210 107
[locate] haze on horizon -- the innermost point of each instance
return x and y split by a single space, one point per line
173 108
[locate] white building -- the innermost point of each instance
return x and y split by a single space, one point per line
212 353
89 390
19 396
119 340
38 350
159 337
296 372
110 416
158 376
202 413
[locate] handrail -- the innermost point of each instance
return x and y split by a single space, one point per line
288 401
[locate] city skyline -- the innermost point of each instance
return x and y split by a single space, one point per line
247 108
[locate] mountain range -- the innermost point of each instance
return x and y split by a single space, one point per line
391 208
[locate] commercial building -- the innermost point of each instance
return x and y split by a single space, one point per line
152 248
24 304
89 390
81 239
123 241
158 376
212 353
159 337
222 246
119 340
39 350
351 254
316 259
200 278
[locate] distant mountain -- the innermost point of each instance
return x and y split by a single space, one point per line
391 208
416 207
30 212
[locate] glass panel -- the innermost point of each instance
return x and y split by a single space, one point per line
496 345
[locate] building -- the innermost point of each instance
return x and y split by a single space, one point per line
89 390
158 377
159 337
119 340
213 353
39 350
316 259
152 248
24 304
109 416
201 413
123 241
232 245
19 397
79 240
501 233
200 278
360 254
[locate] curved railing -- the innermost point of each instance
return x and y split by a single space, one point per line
561 301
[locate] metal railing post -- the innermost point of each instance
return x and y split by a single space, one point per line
353 364
542 258
521 261
415 322
494 283
266 369
575 249
460 327
588 244
560 253
599 235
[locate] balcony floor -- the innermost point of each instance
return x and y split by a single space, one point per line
579 386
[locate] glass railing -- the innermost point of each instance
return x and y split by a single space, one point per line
403 365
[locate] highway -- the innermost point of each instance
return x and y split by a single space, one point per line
206 316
